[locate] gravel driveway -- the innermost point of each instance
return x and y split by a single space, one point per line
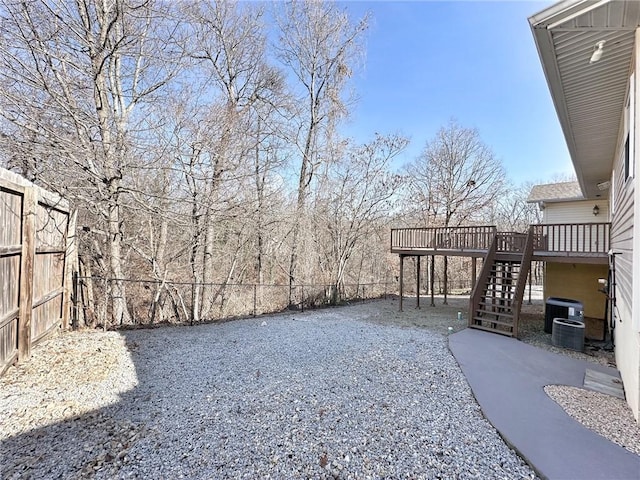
324 394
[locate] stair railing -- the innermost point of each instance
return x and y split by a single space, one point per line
521 283
483 277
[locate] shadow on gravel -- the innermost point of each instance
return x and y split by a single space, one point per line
78 447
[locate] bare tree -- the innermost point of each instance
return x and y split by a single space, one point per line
457 180
175 133
458 177
319 46
355 198
76 79
229 48
511 211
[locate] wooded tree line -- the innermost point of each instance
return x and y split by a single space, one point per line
200 144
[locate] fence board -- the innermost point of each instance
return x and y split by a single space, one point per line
33 240
10 254
26 273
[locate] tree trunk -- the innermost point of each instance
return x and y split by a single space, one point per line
120 311
194 260
299 213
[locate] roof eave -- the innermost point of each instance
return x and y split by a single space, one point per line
540 23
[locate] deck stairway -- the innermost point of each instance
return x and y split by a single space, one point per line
497 296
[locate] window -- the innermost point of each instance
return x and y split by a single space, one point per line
630 128
626 158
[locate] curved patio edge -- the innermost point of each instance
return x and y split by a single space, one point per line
508 377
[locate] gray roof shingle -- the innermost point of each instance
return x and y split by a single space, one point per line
555 192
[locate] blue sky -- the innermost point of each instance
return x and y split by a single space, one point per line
475 61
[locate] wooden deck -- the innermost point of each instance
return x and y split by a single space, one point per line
496 298
569 243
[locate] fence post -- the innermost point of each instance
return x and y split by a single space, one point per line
26 272
70 270
302 298
255 299
74 301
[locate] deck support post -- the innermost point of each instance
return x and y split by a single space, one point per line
432 274
401 279
474 267
446 279
418 282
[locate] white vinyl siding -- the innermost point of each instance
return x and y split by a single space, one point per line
622 244
575 236
622 221
631 126
576 212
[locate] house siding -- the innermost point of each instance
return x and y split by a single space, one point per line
580 211
578 282
624 203
622 242
574 280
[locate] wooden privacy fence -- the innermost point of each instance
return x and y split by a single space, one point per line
34 271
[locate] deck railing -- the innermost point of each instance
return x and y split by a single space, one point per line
442 238
570 239
513 242
585 238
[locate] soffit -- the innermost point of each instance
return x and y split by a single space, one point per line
589 97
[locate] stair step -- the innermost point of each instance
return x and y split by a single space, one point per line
493 321
498 293
492 330
494 305
509 257
497 314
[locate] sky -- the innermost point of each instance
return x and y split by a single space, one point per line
428 62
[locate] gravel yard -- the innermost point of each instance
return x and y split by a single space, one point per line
323 394
353 392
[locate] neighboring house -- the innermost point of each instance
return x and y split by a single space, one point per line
564 204
589 52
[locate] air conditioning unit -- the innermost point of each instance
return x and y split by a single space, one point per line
568 333
561 307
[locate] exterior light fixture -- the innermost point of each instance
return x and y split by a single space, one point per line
597 51
596 210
